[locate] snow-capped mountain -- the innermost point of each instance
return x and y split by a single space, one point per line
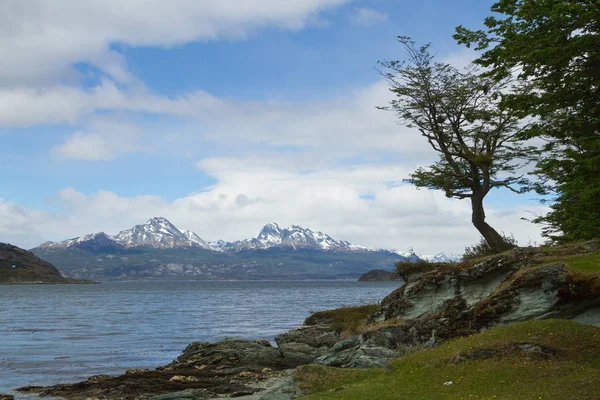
218 245
196 240
93 242
409 255
158 249
294 237
159 233
442 257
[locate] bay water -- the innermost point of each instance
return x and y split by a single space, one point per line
53 334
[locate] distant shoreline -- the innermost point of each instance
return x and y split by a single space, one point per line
51 283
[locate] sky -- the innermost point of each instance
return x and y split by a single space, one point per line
224 116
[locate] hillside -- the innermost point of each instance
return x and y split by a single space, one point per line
18 266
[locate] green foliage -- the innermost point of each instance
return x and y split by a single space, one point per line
460 114
348 320
571 368
587 263
553 49
575 208
483 249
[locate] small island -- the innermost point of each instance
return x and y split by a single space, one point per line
19 266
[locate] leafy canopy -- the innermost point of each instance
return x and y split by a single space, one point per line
552 47
460 115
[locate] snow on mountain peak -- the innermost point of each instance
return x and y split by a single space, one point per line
158 220
295 237
158 232
194 239
270 235
442 257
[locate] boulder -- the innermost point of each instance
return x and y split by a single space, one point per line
305 344
230 353
357 352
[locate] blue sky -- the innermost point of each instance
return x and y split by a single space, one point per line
223 117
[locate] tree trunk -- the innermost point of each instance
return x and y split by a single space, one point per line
493 238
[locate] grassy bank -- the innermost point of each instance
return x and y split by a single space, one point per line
346 320
549 359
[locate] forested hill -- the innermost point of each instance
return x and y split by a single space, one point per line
18 266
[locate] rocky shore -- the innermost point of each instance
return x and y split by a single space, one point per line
438 302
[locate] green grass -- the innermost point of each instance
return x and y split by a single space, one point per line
573 372
577 256
347 320
589 263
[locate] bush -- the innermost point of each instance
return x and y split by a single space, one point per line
405 268
482 249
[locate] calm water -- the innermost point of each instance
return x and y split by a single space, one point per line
62 333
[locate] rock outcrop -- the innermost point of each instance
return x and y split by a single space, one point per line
230 354
305 344
442 301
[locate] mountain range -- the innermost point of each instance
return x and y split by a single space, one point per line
159 233
159 250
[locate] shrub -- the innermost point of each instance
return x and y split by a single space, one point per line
482 249
406 268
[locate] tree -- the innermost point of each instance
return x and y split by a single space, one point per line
458 113
553 48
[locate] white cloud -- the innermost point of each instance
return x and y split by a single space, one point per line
368 17
461 59
106 139
55 34
63 104
248 195
86 146
338 127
